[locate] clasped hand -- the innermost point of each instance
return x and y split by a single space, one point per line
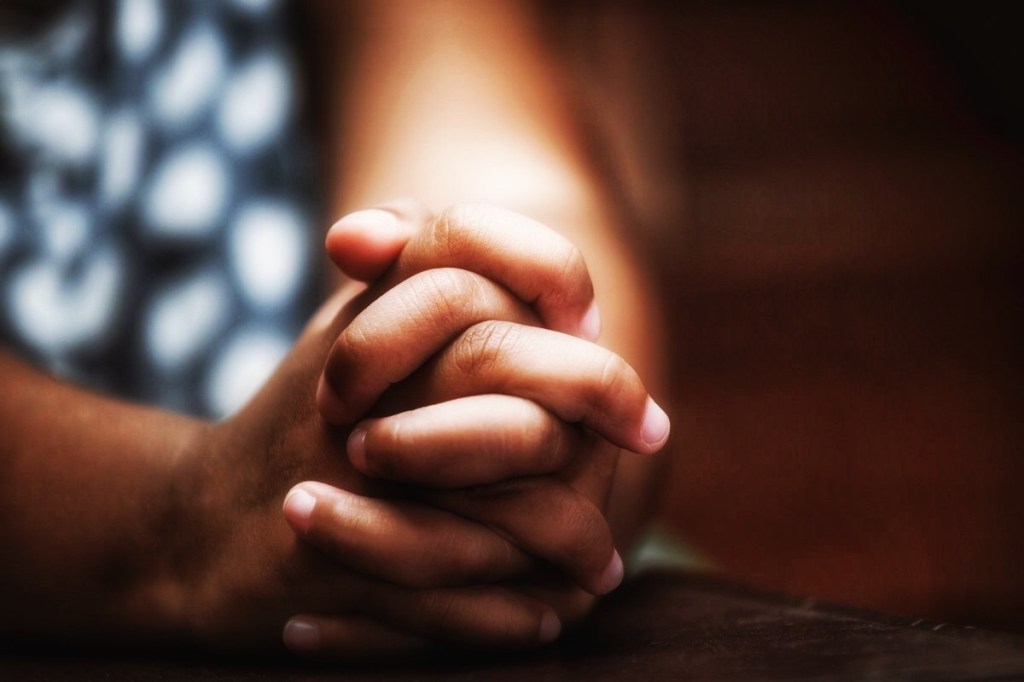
445 437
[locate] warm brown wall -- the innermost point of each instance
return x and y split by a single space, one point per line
838 238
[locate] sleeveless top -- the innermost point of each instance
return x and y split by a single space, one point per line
159 233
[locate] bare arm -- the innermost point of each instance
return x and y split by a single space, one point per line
459 101
132 525
126 526
84 481
129 526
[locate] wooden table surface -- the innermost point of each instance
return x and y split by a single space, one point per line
661 626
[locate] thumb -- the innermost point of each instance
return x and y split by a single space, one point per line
364 244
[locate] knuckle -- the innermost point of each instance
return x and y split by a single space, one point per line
351 349
528 437
452 229
441 229
432 284
574 266
585 537
616 391
448 292
481 348
552 440
613 378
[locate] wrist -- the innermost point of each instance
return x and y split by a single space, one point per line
156 604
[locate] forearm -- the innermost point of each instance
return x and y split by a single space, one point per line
87 509
460 102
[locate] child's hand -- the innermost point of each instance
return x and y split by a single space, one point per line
465 435
239 572
401 574
538 265
452 276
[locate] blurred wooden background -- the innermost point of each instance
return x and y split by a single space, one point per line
831 197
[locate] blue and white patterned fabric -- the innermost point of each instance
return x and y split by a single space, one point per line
157 232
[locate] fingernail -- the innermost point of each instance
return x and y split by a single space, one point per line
612 575
655 428
382 223
298 508
550 627
330 406
301 635
590 324
356 448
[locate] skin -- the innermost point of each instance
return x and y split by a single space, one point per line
175 532
568 406
461 101
144 528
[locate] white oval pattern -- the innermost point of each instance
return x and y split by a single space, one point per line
149 240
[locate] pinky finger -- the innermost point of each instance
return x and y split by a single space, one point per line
350 639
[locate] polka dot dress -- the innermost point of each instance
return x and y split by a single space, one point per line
158 237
